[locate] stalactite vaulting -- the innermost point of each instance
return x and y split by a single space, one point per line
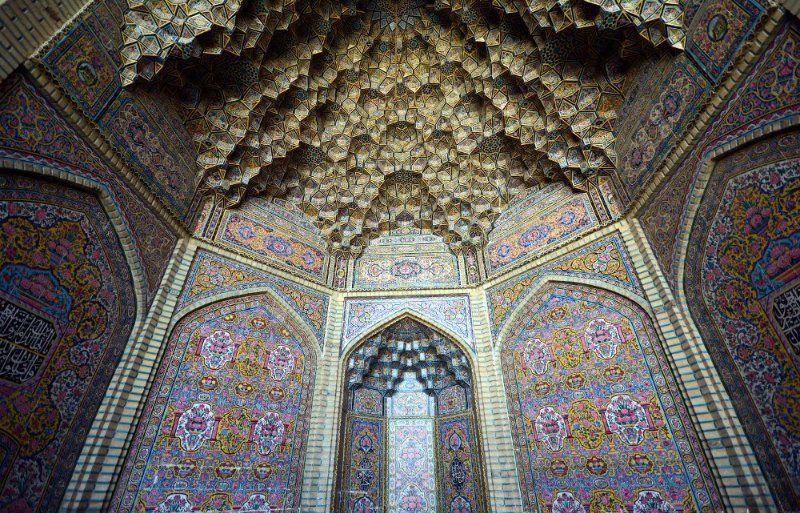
378 115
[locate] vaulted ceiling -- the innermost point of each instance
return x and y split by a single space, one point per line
378 115
382 361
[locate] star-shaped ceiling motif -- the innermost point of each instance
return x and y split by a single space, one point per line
379 115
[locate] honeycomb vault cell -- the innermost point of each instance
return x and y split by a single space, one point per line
380 114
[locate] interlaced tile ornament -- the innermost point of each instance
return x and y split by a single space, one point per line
597 418
745 247
212 274
452 312
67 307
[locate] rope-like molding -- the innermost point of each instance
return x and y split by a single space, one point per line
716 102
75 115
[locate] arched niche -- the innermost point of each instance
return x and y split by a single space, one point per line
741 278
225 425
409 436
597 419
67 307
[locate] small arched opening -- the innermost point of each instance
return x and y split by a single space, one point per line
409 434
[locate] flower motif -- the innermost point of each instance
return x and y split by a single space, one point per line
406 269
278 245
534 235
756 219
567 503
309 258
537 356
195 425
268 433
603 337
650 501
364 505
217 349
256 503
175 503
280 363
551 428
460 504
412 502
781 257
503 250
567 218
627 418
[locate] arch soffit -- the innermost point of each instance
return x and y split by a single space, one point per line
548 279
115 218
186 313
407 313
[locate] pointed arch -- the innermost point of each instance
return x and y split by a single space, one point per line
243 369
584 371
379 310
113 212
89 304
444 426
244 294
548 278
729 295
408 313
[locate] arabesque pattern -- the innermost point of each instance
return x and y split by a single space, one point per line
67 307
745 246
227 417
596 417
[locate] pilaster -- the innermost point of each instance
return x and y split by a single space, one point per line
100 463
319 475
729 452
495 425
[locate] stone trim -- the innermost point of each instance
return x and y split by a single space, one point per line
25 25
727 448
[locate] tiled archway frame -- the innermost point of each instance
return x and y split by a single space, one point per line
244 294
467 352
93 456
751 481
742 484
188 320
733 461
150 342
416 306
585 288
321 471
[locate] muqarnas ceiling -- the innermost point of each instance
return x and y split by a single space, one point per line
376 116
